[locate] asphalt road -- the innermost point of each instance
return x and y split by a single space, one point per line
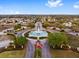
29 50
45 49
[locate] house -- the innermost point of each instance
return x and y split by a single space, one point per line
68 24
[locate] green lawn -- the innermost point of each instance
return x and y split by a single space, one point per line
12 54
64 54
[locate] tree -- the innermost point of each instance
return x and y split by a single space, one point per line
17 26
46 24
20 40
30 25
56 39
75 28
60 26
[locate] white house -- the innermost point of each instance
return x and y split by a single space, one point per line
69 24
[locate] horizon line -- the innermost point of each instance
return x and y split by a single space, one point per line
39 14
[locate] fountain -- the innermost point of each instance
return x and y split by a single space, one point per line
38 31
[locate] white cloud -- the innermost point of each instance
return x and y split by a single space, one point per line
10 12
54 3
4 10
76 5
14 12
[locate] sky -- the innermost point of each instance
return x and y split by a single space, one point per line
39 7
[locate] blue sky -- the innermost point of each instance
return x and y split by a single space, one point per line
39 7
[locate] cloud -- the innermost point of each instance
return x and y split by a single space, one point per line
76 5
10 12
14 12
54 3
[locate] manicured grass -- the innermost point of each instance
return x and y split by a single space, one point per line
37 53
63 53
73 41
12 54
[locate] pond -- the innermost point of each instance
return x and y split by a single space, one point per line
38 34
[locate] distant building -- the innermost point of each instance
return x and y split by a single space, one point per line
69 24
76 18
